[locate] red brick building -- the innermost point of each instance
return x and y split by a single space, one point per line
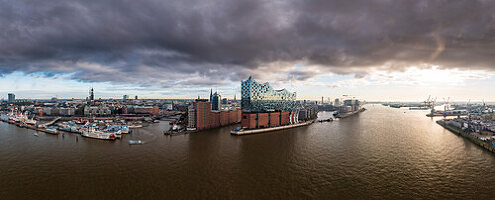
264 120
204 118
274 119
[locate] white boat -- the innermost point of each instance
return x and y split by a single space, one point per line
124 129
92 133
24 118
131 142
51 130
135 126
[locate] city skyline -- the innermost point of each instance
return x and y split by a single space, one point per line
382 51
47 88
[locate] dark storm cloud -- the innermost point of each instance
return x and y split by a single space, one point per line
224 40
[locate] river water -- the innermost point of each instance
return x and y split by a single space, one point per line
382 153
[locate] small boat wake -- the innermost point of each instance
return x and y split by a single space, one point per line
134 142
141 142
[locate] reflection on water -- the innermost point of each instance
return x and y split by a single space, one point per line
381 153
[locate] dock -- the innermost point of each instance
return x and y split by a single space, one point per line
263 130
41 129
489 146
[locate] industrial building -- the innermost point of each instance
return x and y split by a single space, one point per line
201 116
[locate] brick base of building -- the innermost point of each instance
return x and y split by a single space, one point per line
265 120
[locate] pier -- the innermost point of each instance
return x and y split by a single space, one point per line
262 130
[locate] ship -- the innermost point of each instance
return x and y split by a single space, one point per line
51 130
351 107
95 134
135 126
347 114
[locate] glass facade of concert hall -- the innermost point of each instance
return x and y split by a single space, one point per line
258 98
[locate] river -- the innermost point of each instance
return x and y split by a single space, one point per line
382 153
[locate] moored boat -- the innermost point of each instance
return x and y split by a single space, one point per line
95 134
135 126
51 130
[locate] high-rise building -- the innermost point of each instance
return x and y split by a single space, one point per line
216 101
225 101
136 97
258 97
125 97
263 107
11 98
336 102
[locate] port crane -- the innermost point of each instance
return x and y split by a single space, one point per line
429 102
446 105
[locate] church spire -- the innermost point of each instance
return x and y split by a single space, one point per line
211 94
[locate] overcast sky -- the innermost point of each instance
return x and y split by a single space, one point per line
372 49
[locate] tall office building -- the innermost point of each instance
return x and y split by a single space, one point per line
11 98
216 101
136 97
125 97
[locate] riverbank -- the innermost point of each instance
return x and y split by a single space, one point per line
32 127
487 145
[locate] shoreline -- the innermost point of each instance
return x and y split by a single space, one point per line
485 145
